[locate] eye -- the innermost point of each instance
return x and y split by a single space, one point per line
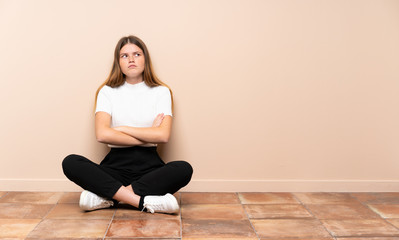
124 56
137 54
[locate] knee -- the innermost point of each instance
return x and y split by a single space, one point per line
69 162
189 168
186 170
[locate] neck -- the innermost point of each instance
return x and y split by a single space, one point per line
134 80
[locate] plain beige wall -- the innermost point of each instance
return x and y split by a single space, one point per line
270 95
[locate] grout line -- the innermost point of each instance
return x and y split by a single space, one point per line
246 213
43 218
365 204
181 218
312 214
109 224
379 215
5 195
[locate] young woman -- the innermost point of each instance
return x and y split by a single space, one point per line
133 114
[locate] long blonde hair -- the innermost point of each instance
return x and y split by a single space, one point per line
116 78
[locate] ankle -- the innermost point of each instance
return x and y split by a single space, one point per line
141 203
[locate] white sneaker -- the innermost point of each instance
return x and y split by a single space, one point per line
90 201
161 204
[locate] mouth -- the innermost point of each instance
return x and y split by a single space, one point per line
132 66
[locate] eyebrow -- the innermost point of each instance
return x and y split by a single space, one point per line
123 53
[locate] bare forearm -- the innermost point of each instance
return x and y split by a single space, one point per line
132 136
158 133
114 137
150 134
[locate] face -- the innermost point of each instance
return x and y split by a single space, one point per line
131 61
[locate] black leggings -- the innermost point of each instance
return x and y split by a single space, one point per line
140 167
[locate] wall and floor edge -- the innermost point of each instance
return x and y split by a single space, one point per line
221 185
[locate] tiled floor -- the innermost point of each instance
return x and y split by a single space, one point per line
340 216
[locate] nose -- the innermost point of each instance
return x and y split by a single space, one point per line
131 58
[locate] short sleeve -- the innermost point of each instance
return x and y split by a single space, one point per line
103 101
164 102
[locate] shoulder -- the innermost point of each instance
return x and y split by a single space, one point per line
107 90
161 90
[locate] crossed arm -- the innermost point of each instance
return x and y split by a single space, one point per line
159 132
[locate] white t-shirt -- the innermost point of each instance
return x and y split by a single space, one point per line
134 105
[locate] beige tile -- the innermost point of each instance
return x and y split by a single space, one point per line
394 222
341 211
65 238
128 212
214 229
70 197
70 228
73 211
386 210
17 228
165 228
213 211
24 210
369 238
277 211
222 238
31 197
323 238
326 238
178 197
289 228
267 198
377 198
360 228
325 198
209 198
141 238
